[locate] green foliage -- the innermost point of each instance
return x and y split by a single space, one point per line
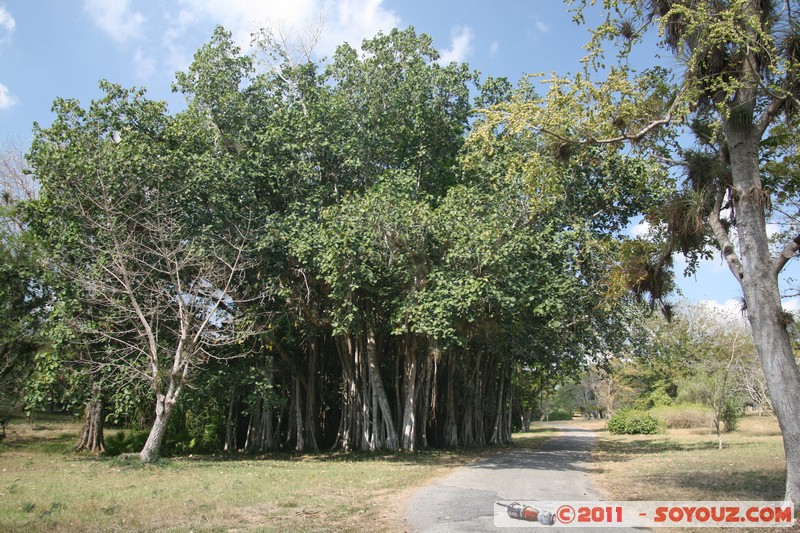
124 442
661 395
559 414
410 113
196 429
362 206
24 296
732 411
633 422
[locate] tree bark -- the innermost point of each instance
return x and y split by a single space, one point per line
297 416
391 441
165 403
261 429
497 430
409 405
367 401
451 425
311 399
354 423
428 404
762 296
91 439
230 423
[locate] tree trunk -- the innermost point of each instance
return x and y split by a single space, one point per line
451 426
409 405
353 430
165 403
497 430
391 442
479 385
92 435
230 424
428 397
367 401
260 429
297 416
311 399
510 406
759 282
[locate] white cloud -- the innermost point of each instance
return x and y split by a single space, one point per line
352 21
115 18
6 98
243 17
7 22
176 57
639 230
145 64
344 21
792 305
493 48
460 45
540 26
730 310
773 229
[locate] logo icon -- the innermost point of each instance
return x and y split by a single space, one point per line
529 514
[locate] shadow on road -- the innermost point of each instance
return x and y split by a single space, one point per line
569 452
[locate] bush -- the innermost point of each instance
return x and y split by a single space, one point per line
633 422
559 414
683 415
731 413
125 442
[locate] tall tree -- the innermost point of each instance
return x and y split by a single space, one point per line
23 295
738 65
128 214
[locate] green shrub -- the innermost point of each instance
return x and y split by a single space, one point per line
559 414
731 413
683 415
661 395
125 442
633 422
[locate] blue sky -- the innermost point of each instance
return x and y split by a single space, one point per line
62 48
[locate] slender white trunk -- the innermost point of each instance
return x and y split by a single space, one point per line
409 407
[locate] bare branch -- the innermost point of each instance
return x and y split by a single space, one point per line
779 262
724 241
15 183
769 114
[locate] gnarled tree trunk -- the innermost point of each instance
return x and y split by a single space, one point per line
93 417
384 434
165 405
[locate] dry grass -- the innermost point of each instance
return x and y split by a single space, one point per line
44 486
686 464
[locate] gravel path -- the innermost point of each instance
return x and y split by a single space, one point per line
465 499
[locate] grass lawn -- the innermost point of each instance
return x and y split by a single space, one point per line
686 464
44 486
